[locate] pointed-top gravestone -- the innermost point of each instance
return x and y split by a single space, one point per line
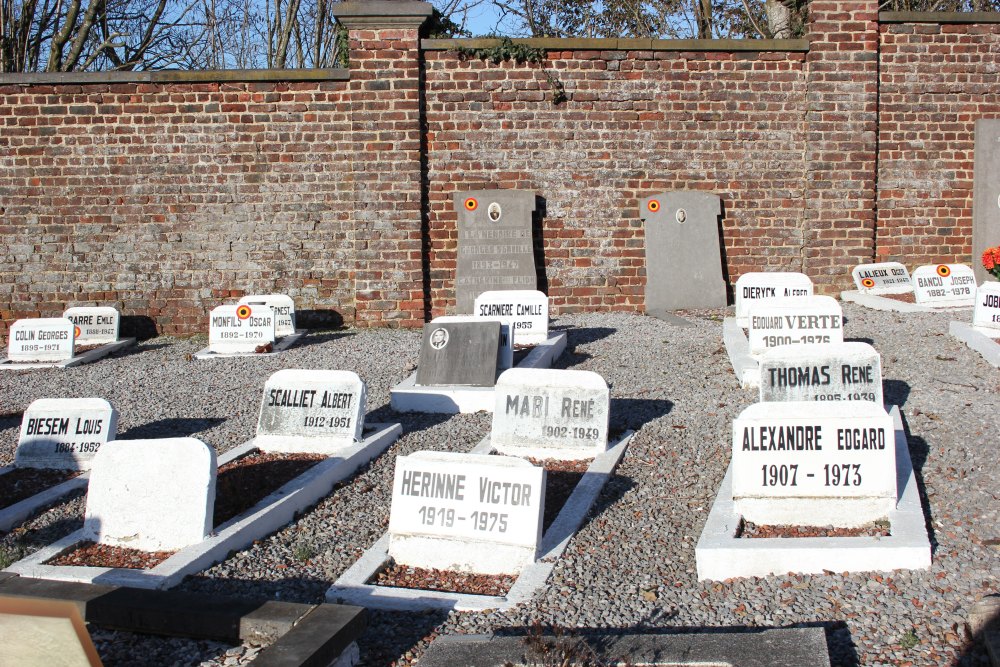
42 339
759 288
683 253
527 310
944 285
153 495
284 310
95 325
242 328
495 249
316 411
64 433
882 278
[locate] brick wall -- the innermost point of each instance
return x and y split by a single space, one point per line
936 80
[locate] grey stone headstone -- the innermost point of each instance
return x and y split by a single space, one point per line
985 194
494 244
459 353
683 256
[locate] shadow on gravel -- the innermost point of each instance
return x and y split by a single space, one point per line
859 340
576 337
320 338
172 427
305 590
10 420
984 627
634 413
895 392
392 634
410 421
919 449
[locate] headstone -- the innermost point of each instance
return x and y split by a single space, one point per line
835 372
64 433
42 339
95 325
795 321
882 278
814 464
284 310
759 288
311 411
153 495
241 328
683 253
548 413
459 353
494 244
466 512
985 194
944 285
986 315
527 310
506 358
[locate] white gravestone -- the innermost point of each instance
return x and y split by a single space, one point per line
795 321
42 339
95 325
153 495
834 372
547 413
466 512
315 411
760 288
64 433
986 315
814 465
506 354
882 278
944 285
527 310
284 310
241 328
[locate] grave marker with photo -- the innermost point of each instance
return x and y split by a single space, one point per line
526 310
506 354
64 433
828 373
95 325
459 354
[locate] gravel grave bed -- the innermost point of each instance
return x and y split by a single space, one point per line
21 483
91 554
751 530
631 566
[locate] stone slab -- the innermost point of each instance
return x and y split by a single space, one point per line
459 354
64 433
81 357
544 413
283 307
279 346
526 310
720 555
783 647
326 632
986 312
882 278
836 372
240 328
944 285
683 251
985 345
95 325
745 367
270 514
495 249
795 321
505 358
353 588
407 396
45 339
985 193
768 287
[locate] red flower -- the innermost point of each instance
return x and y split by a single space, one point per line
988 261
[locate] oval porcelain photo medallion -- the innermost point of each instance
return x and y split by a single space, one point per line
681 216
439 338
494 211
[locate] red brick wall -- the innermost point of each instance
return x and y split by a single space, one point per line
936 80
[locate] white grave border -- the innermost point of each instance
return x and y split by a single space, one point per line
353 588
271 513
720 555
985 345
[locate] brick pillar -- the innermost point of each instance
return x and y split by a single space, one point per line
387 160
841 136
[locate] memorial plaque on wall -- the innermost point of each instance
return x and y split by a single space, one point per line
64 433
311 410
94 325
882 278
986 316
833 372
41 339
944 285
985 194
683 255
494 244
459 353
768 287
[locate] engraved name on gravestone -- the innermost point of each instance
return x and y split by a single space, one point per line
795 321
944 285
153 495
758 288
506 358
311 411
551 413
466 512
64 433
494 244
459 353
95 325
986 315
985 194
834 372
814 464
284 310
683 253
882 278
240 328
527 310
42 339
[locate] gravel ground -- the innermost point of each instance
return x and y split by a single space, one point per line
632 565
